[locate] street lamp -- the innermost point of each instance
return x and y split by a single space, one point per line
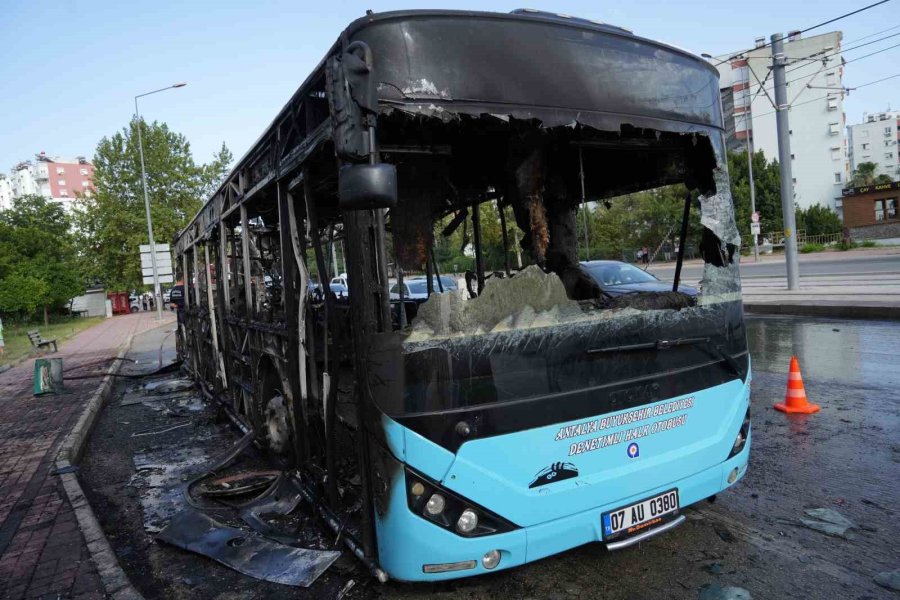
137 114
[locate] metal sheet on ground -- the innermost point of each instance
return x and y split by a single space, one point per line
250 555
160 477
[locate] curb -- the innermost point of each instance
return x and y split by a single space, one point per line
115 581
858 311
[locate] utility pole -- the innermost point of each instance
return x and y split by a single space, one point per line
750 170
784 158
137 116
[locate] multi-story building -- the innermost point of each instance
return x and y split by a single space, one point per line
6 192
54 178
818 147
875 140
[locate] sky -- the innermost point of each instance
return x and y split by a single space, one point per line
69 69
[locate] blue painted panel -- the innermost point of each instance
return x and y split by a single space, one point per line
696 435
420 454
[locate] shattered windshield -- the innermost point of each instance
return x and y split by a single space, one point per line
529 318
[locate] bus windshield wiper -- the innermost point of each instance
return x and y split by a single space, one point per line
655 345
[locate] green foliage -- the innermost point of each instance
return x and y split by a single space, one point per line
112 222
818 220
767 185
38 266
810 247
629 222
844 245
868 244
865 175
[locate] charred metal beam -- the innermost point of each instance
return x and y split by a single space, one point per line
684 227
479 257
364 312
502 211
587 241
245 252
289 274
337 526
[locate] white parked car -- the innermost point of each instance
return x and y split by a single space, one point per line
416 288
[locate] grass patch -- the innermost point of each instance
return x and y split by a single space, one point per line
844 245
868 244
19 346
810 247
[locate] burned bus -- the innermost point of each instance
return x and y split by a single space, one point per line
522 412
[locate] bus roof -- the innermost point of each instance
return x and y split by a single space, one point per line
567 71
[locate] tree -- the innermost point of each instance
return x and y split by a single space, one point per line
865 175
38 266
112 222
767 185
818 220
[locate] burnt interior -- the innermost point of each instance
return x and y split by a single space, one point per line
447 169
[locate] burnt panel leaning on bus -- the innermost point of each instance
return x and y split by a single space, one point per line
435 357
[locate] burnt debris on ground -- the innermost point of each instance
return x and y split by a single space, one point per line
197 486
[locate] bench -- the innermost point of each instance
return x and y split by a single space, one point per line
38 342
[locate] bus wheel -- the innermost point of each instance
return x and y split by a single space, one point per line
277 428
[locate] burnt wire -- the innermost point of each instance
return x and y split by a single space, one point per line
212 469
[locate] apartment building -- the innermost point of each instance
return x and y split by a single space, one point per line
875 140
814 75
6 193
54 178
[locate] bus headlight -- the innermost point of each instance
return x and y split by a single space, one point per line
467 521
435 505
446 509
741 440
490 559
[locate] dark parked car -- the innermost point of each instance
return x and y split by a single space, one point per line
617 278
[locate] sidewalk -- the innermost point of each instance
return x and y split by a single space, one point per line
839 295
848 290
42 551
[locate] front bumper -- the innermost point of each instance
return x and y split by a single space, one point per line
406 542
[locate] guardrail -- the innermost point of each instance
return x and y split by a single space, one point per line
823 238
777 238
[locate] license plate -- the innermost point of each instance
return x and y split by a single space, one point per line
640 516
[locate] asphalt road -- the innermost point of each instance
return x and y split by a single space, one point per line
845 458
810 264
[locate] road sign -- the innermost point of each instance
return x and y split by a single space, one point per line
754 229
754 217
163 264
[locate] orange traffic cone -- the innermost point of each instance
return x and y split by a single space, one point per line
795 399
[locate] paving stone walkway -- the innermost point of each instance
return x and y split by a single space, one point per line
42 551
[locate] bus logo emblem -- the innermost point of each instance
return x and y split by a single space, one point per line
633 450
555 472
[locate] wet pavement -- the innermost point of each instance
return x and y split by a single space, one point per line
845 459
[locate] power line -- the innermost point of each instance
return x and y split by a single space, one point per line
814 57
767 44
772 112
878 81
846 62
849 14
865 37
